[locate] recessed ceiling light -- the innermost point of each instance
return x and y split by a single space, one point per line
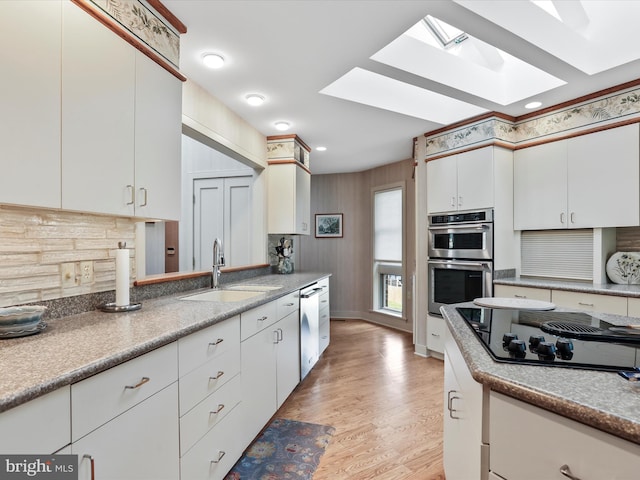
531 105
213 60
254 99
321 149
282 126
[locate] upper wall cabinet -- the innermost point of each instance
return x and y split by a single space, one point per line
590 181
289 185
121 123
30 99
463 181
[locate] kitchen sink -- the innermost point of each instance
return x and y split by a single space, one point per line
223 296
254 288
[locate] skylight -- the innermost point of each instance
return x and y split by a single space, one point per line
446 34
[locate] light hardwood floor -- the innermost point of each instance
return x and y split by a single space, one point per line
385 402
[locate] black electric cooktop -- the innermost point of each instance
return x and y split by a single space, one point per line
550 338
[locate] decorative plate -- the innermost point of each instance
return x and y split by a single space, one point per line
624 268
515 303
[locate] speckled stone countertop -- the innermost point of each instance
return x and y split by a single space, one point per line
603 400
584 287
75 347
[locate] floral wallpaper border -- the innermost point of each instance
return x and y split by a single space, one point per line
599 111
142 22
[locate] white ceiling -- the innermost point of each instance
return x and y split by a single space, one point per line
345 77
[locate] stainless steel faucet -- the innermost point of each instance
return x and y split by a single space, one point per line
218 261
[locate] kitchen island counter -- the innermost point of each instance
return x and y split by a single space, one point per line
73 348
602 400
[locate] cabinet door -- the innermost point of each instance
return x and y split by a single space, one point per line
540 187
98 88
604 178
303 201
435 333
259 387
288 355
30 99
442 181
158 128
289 199
142 443
475 179
463 417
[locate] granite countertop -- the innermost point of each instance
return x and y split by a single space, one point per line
603 400
75 347
572 286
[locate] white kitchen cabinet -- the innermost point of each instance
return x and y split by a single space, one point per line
436 330
590 302
42 425
158 132
587 181
528 443
289 202
465 449
30 99
121 125
270 367
324 322
633 307
141 443
98 116
512 291
464 181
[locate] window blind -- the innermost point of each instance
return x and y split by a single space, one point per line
566 254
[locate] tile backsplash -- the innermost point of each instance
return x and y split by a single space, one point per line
50 254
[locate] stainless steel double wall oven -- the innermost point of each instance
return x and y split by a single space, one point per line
460 257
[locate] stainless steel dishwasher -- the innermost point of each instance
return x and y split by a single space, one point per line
309 328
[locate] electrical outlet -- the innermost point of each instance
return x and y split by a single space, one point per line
68 275
86 272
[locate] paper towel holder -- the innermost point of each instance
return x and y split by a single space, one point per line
113 307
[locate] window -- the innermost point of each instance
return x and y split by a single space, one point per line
388 250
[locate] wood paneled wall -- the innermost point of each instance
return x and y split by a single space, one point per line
349 258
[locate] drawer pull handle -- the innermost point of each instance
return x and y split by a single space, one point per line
450 399
520 296
215 412
217 342
93 465
132 192
220 373
585 304
566 471
435 335
139 384
262 319
220 455
289 304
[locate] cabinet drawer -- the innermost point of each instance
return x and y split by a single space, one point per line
42 425
206 379
325 334
214 455
197 348
209 413
509 291
633 307
324 284
325 314
520 432
257 319
100 398
590 302
436 327
287 304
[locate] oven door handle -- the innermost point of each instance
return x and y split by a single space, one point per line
479 265
467 227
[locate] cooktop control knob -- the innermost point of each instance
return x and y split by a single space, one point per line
564 348
546 351
507 338
534 341
517 348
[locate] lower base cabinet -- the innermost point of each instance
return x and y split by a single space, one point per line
141 443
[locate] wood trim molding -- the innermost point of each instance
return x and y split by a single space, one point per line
495 143
169 17
287 162
170 277
115 27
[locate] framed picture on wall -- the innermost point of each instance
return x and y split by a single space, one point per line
328 225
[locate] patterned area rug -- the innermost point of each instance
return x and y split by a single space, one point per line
285 450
